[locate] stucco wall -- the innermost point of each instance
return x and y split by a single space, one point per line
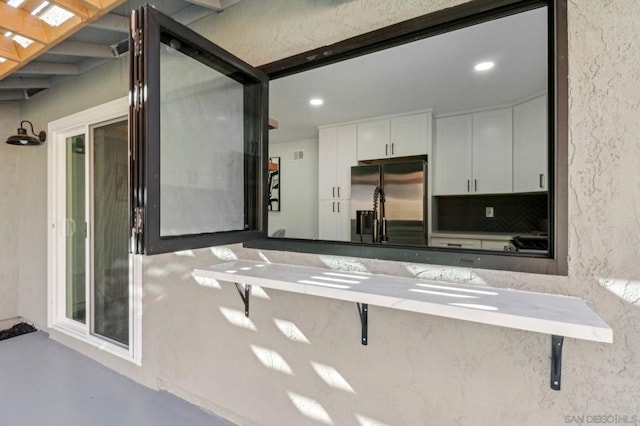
9 122
417 369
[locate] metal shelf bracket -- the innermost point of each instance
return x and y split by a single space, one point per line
556 361
363 312
245 295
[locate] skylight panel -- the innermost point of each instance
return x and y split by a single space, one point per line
22 41
15 3
8 34
56 16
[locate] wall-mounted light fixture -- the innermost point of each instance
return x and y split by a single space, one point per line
22 138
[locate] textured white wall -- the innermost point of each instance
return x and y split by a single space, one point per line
9 122
417 369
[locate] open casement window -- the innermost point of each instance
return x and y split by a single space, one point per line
198 124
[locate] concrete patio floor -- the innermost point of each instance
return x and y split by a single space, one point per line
45 383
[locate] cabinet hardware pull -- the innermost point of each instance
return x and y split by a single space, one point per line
338 206
475 185
334 206
541 180
393 148
453 245
386 149
338 197
333 191
468 185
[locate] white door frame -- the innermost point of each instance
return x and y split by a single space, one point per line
58 131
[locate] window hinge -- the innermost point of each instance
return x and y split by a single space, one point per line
137 95
138 223
137 42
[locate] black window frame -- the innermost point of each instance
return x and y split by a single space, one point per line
148 26
453 18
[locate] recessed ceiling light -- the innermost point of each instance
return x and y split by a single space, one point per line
316 102
484 66
8 34
2 59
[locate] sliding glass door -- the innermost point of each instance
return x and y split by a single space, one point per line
110 231
97 264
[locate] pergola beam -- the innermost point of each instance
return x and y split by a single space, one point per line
47 68
112 22
22 22
24 83
78 48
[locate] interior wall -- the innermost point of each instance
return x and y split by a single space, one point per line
417 369
9 122
298 213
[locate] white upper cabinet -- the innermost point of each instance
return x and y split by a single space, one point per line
452 152
492 152
336 155
374 139
394 137
473 153
410 135
530 146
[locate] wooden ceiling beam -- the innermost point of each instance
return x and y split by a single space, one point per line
22 22
9 49
20 56
76 7
94 4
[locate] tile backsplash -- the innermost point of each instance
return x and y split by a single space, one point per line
522 213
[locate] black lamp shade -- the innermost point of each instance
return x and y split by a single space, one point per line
22 138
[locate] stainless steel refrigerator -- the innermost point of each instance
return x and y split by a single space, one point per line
401 196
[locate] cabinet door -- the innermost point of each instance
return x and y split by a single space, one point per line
334 220
492 152
452 152
409 136
327 148
343 221
327 220
374 140
530 146
345 158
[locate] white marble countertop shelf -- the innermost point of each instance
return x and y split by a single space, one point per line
552 314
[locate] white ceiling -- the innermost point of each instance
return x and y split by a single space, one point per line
436 73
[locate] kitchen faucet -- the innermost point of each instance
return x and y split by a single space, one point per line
379 221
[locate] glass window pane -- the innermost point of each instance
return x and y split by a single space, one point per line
111 231
202 148
75 229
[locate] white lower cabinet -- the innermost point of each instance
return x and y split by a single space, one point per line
467 243
334 223
496 245
470 243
